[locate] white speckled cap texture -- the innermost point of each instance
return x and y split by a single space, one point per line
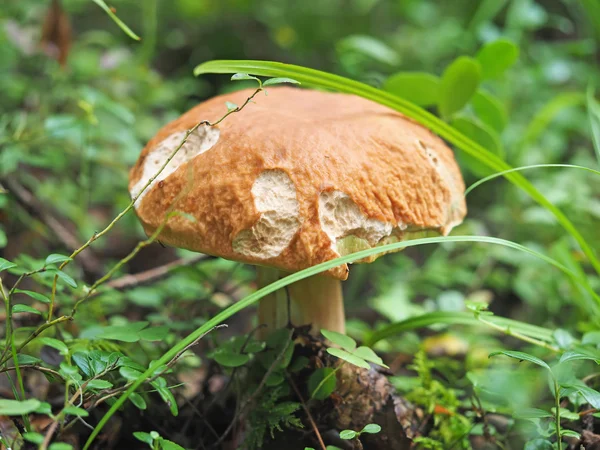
297 178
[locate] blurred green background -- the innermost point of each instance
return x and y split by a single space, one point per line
69 134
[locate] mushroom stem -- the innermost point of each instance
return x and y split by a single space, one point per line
315 300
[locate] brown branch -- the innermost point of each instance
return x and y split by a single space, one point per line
33 206
306 410
34 367
152 275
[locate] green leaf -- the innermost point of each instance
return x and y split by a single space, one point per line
27 359
496 57
154 333
25 309
170 445
230 359
67 279
128 373
274 379
82 361
490 110
565 414
581 353
346 342
34 295
348 434
279 80
593 108
369 355
118 21
31 436
532 413
570 433
18 407
138 401
56 344
244 76
348 357
44 408
76 411
99 384
68 370
167 396
6 264
298 364
539 444
231 106
591 337
591 395
482 134
522 357
371 428
144 437
319 389
486 12
124 333
56 258
459 83
60 446
420 88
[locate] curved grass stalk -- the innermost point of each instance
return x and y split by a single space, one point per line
458 318
279 284
326 80
517 169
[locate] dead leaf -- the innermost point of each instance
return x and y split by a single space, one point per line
56 33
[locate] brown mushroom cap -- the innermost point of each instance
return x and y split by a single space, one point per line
297 178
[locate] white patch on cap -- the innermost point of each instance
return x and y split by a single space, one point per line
275 198
447 177
201 140
341 217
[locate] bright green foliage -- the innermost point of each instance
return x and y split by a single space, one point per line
511 82
360 356
496 57
17 408
322 383
420 88
451 427
459 83
271 415
156 442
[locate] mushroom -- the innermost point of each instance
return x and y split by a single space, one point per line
297 178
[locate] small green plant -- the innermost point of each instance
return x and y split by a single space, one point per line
156 442
351 435
323 381
563 383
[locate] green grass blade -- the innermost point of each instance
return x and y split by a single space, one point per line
457 318
593 108
516 169
118 21
253 298
592 13
545 116
326 80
